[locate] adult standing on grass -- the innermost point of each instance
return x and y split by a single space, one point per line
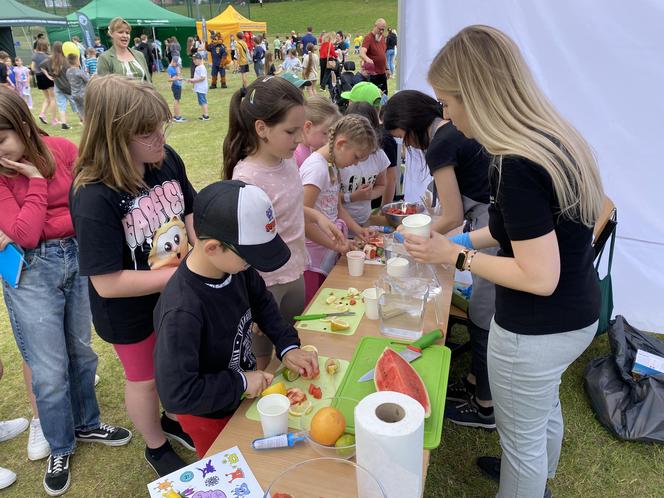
55 69
44 83
49 311
546 194
131 205
120 58
308 38
373 52
391 49
145 49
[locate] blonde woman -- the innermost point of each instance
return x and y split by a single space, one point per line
545 195
131 205
120 58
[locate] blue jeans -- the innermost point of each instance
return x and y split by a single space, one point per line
524 375
389 54
50 316
259 68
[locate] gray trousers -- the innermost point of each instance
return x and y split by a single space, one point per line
524 374
290 299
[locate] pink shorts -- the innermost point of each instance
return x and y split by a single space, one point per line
138 358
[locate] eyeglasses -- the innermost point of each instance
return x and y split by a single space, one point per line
157 138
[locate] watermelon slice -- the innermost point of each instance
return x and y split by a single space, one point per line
393 373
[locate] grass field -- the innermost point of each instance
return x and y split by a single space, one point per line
593 463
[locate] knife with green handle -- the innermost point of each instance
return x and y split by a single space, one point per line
322 315
412 352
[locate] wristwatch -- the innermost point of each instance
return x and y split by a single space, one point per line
461 259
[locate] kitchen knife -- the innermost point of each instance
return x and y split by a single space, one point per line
412 352
322 315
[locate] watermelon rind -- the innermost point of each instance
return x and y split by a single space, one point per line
393 373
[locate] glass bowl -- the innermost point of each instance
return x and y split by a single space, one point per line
345 406
325 478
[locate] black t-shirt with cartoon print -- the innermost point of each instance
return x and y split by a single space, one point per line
120 231
204 339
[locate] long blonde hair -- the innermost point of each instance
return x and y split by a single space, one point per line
319 110
509 115
122 108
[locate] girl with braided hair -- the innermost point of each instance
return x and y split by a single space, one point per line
351 140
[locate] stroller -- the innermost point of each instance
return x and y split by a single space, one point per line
344 84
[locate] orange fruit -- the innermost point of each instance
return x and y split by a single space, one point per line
327 425
339 324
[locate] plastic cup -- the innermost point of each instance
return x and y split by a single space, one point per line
370 297
398 267
273 412
355 263
417 224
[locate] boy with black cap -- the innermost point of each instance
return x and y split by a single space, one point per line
203 359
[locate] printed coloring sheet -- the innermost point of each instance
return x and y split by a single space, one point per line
223 475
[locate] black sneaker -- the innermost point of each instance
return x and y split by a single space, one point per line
204 118
173 430
105 434
469 415
460 391
57 478
163 460
65 126
490 466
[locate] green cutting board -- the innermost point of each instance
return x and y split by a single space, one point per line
328 384
319 305
433 366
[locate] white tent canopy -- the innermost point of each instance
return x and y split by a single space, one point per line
600 63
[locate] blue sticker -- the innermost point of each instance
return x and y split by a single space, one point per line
187 476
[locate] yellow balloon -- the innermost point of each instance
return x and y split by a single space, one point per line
70 48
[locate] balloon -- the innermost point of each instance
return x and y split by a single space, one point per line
70 48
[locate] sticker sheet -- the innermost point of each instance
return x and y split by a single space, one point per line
223 475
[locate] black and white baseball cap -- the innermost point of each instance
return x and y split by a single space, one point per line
241 215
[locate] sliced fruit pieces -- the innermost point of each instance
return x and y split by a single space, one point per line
330 299
296 395
338 324
393 373
300 408
332 366
309 347
291 376
315 391
278 388
352 291
342 307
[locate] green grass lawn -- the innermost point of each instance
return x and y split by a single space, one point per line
593 463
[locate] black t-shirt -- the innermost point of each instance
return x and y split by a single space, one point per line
523 207
389 146
450 147
4 74
390 41
204 339
119 231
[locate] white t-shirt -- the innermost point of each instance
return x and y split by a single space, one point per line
362 173
315 171
416 178
201 86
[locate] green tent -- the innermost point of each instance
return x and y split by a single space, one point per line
143 15
16 14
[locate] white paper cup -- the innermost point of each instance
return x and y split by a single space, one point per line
273 412
398 267
370 297
417 224
355 263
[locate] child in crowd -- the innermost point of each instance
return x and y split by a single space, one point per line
22 75
91 61
131 203
265 126
175 79
364 181
319 116
292 63
49 311
352 139
77 80
203 358
200 85
243 56
311 63
269 64
5 78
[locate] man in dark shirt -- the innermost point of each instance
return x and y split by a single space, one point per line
308 38
373 52
204 361
144 48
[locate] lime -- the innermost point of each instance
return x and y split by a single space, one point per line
290 376
345 445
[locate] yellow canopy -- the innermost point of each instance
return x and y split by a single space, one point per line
230 21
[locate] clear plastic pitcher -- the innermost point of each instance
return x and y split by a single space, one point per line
402 306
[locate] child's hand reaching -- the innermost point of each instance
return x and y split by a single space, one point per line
257 382
303 362
364 193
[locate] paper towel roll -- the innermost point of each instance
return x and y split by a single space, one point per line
389 436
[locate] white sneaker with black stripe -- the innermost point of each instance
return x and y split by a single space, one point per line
105 434
57 478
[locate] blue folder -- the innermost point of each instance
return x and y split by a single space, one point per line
11 264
